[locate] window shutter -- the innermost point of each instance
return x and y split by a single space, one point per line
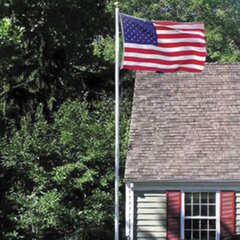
227 215
173 215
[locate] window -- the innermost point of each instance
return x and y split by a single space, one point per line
200 216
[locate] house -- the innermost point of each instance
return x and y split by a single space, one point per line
182 172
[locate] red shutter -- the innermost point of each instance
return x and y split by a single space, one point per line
173 215
227 215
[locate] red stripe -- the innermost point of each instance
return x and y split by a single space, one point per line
182 53
181 29
159 61
180 35
177 23
181 44
161 69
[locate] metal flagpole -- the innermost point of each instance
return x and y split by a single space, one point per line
116 218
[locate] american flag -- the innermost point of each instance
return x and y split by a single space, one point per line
162 46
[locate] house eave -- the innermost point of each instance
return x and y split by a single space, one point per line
180 180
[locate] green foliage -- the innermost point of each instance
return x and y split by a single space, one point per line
47 53
60 174
9 33
56 155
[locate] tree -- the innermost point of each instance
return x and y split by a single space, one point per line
56 156
60 174
51 58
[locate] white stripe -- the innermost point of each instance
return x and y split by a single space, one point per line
179 40
156 65
179 32
165 49
181 26
162 57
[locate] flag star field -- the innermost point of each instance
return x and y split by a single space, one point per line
139 31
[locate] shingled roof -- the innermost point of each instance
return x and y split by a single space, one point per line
186 126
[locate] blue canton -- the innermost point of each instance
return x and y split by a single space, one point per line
138 31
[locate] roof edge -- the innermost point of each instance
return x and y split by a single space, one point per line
181 180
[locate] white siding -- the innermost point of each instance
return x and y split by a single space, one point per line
129 211
150 216
237 213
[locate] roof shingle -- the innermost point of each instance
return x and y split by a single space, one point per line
185 126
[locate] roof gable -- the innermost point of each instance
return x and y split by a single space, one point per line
186 126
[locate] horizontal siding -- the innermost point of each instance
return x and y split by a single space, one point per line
149 238
154 217
152 204
151 222
147 234
150 216
237 220
152 228
151 211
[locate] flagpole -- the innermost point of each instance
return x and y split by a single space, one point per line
116 218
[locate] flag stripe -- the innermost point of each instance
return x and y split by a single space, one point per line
157 52
180 35
179 25
165 48
172 31
185 69
163 62
159 28
181 44
181 40
162 57
157 65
